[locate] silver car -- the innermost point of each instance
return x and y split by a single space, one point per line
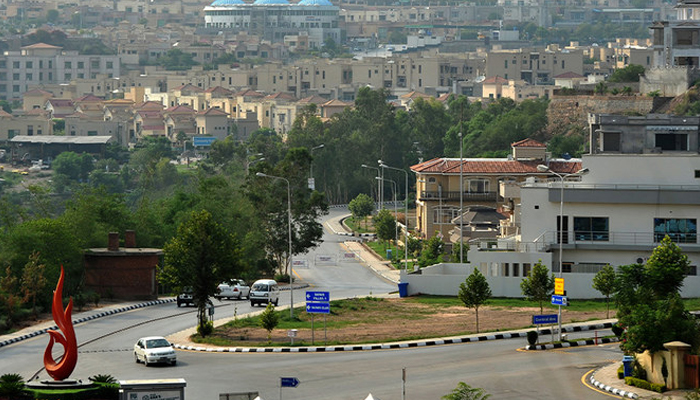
154 349
233 289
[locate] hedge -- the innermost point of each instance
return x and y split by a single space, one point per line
642 384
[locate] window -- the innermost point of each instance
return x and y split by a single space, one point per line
526 269
30 64
680 230
68 65
15 76
516 269
110 64
506 269
15 64
591 228
443 215
81 64
672 141
95 64
478 186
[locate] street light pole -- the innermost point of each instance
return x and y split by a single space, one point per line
379 183
461 197
583 171
289 223
405 244
396 225
312 184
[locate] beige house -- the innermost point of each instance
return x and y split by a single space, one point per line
35 122
179 119
35 99
212 122
485 182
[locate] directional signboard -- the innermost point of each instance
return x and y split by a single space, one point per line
559 286
203 140
318 308
559 300
545 319
289 382
324 297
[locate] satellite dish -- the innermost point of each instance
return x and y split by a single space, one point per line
480 79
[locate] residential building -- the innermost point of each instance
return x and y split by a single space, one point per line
642 186
41 64
491 182
535 66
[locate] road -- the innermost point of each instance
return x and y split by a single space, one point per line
431 372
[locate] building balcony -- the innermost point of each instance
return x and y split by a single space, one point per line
455 196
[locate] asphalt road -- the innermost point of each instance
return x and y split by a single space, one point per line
496 366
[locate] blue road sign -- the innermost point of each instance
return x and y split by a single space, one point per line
559 300
289 382
318 308
324 297
203 140
545 319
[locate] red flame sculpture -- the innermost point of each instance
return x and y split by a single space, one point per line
62 369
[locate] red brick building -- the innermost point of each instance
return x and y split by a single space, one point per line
123 273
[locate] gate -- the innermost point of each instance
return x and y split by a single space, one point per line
692 370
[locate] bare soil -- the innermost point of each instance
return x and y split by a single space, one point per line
393 320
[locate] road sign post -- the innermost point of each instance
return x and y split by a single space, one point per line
544 319
559 300
291 382
318 303
559 286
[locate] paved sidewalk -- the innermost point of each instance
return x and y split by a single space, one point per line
605 378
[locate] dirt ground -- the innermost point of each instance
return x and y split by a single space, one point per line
411 321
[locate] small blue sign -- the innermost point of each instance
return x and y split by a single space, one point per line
545 319
559 300
289 382
324 297
203 140
318 308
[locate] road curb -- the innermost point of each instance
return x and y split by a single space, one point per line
380 346
610 389
588 342
84 319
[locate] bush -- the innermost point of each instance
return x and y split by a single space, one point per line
205 329
617 329
532 337
282 278
638 372
11 385
621 372
646 385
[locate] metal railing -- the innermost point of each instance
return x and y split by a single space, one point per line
455 195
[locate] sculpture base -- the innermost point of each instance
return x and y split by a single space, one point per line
64 384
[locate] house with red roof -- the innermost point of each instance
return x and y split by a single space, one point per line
212 122
492 182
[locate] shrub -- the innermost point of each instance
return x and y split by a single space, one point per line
205 329
532 337
639 372
617 329
621 372
282 278
646 385
11 385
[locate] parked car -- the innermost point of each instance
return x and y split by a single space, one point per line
264 291
154 349
233 289
185 297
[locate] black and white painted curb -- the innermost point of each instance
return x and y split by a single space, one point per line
581 328
84 319
610 389
383 346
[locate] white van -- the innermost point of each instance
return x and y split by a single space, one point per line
264 291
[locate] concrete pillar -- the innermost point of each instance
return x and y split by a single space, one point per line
676 367
113 241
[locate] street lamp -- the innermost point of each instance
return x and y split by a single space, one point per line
379 184
583 171
289 217
396 225
312 184
461 197
249 163
381 164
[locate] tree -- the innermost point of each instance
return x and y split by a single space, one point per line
202 255
385 225
52 16
474 292
466 392
667 268
269 320
33 281
630 73
432 251
361 207
539 284
604 282
74 166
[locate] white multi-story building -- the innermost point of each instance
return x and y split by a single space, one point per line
43 64
643 184
274 19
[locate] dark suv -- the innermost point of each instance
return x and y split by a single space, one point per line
185 297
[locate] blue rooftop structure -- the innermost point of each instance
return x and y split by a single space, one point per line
271 2
227 3
315 3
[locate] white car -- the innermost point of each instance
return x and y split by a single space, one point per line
233 289
154 349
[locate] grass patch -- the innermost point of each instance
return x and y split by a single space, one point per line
360 226
502 302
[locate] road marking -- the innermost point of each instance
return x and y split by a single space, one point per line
584 380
